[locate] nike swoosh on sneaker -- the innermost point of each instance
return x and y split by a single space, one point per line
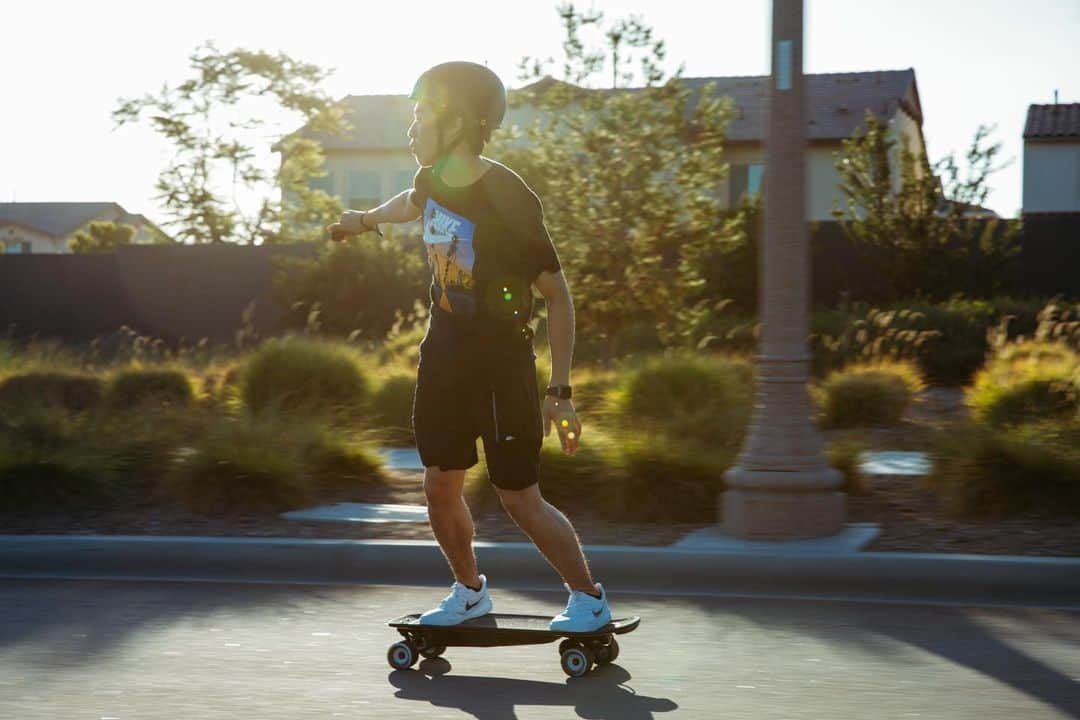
596 613
470 606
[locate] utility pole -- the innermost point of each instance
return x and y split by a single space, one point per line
781 486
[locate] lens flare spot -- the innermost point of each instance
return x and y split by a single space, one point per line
508 296
566 423
571 435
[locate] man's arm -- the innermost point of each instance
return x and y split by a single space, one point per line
560 307
560 321
398 209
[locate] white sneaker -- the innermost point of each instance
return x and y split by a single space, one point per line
583 613
460 605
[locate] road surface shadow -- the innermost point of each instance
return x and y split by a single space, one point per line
956 634
602 693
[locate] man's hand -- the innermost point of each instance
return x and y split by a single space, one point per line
351 223
561 412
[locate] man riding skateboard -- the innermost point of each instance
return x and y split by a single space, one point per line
487 247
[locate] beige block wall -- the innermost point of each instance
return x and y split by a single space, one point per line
1051 177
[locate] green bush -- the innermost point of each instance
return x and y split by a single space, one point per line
949 341
620 476
984 471
401 346
10 359
304 377
591 388
269 463
145 439
335 462
68 391
702 400
142 388
1027 382
391 407
845 455
868 395
364 286
669 483
45 463
242 466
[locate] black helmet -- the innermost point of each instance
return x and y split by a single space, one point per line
467 88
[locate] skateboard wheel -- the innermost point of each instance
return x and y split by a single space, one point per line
567 644
433 652
607 653
401 655
576 661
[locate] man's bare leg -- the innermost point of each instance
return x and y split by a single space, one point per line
451 522
552 534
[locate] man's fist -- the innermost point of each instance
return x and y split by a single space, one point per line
351 223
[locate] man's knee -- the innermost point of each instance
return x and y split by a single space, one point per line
442 487
521 503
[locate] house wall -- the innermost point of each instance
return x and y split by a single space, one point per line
14 237
364 179
1051 176
375 176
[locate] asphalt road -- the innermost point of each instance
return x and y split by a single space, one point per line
101 649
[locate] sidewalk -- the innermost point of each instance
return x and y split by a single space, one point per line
898 577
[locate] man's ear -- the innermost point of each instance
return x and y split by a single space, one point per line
453 127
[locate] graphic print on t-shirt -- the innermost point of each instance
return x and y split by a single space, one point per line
449 240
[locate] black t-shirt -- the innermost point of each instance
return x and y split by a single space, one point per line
486 244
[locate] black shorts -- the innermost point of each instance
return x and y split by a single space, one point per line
467 388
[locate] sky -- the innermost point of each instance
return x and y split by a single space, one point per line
67 65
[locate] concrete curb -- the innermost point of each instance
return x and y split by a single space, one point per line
975 579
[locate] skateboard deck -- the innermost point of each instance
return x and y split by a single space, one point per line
578 651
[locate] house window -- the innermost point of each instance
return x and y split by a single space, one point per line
744 180
326 184
365 190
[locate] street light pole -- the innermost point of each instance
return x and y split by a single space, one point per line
781 486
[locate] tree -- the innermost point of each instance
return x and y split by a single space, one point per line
189 116
629 181
103 237
918 224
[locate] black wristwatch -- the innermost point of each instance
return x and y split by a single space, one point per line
563 392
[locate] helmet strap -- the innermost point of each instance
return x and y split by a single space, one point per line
443 150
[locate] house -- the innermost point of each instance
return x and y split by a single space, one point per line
373 162
49 227
1052 159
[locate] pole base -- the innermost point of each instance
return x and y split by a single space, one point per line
757 515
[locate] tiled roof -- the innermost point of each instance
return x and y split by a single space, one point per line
1053 121
55 218
837 103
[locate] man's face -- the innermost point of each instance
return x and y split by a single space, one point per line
423 134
